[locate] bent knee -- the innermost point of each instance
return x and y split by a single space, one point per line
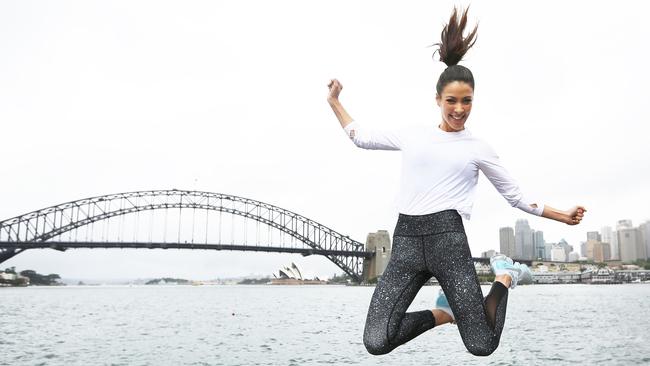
375 343
481 349
377 347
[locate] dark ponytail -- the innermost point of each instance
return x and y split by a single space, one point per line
452 48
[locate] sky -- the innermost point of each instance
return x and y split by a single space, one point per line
230 97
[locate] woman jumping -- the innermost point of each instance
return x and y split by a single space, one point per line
440 165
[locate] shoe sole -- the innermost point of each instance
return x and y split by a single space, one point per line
525 276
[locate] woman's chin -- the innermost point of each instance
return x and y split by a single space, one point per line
457 126
453 126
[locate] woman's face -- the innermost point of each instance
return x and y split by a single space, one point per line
455 103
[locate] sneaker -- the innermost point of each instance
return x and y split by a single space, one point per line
443 304
501 265
526 276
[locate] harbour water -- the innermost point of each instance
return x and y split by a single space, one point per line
306 325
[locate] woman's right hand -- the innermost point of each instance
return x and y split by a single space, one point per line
335 89
333 99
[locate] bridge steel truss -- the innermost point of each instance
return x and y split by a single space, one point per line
36 229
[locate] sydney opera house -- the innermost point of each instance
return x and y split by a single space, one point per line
292 276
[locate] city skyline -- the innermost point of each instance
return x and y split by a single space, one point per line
601 245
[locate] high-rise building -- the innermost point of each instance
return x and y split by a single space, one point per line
539 245
523 240
640 245
558 254
567 248
593 235
548 247
607 251
507 241
628 242
488 254
601 252
609 236
594 249
623 224
644 229
589 248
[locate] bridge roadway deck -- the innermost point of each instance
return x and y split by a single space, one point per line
64 245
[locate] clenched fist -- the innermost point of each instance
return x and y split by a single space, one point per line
335 89
575 215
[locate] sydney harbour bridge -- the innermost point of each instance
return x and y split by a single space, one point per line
178 219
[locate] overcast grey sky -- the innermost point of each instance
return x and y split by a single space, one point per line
229 97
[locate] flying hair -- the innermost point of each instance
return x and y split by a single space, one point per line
452 47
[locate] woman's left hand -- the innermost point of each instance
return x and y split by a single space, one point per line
575 215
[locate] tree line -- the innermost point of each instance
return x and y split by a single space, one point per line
37 279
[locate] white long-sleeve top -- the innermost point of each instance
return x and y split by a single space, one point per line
440 169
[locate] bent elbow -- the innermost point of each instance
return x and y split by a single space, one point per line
354 137
362 144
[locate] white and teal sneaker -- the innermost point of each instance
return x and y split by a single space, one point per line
443 304
502 265
526 276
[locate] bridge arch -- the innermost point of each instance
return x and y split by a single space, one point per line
34 229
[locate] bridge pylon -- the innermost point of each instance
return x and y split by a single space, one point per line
380 244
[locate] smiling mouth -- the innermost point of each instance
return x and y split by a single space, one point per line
457 118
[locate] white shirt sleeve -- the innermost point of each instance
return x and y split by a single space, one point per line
366 138
490 165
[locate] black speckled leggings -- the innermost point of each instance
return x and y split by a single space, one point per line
425 246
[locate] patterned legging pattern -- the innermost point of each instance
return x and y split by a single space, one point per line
426 246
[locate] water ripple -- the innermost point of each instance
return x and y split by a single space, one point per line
285 325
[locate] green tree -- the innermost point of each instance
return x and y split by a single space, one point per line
486 278
39 279
373 281
343 278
